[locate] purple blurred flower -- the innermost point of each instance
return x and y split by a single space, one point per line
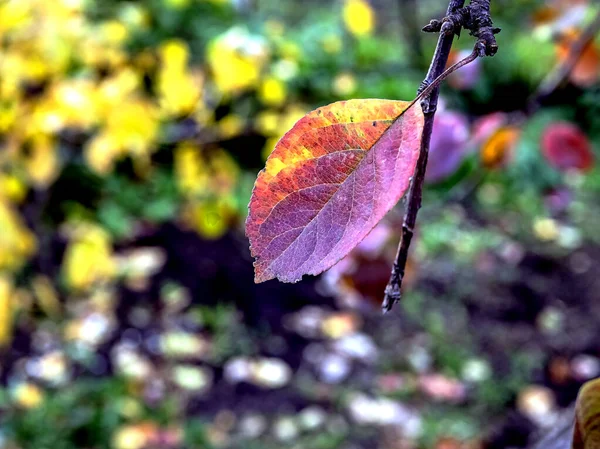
448 145
465 77
558 200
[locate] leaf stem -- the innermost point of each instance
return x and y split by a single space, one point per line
428 94
426 89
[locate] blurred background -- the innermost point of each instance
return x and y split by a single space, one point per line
131 133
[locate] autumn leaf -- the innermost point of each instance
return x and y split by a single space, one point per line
328 182
587 417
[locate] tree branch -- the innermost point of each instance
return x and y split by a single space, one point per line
556 77
476 18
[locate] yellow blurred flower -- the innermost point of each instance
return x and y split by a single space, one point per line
272 91
208 181
130 437
192 176
12 188
179 91
101 153
69 103
214 174
131 129
231 126
88 259
42 163
359 17
100 51
134 126
46 296
210 218
28 395
267 122
17 243
14 14
8 114
116 89
546 229
6 310
344 84
236 60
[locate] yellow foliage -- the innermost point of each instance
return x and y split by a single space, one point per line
14 14
42 163
17 243
359 17
69 103
344 84
113 91
546 229
46 296
12 188
130 437
88 259
210 218
28 395
192 176
130 129
204 176
230 126
179 91
6 310
272 91
208 181
236 60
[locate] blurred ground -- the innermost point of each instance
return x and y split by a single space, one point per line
130 137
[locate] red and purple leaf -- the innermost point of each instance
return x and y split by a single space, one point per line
328 182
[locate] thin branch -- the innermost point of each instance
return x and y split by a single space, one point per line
557 76
473 16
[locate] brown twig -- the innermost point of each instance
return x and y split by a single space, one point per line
560 73
473 16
